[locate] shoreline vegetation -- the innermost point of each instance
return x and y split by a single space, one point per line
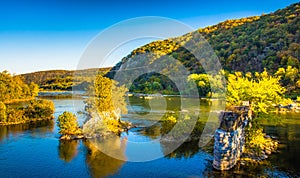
18 103
31 120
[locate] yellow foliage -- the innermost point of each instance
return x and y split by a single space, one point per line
262 91
68 125
256 140
228 24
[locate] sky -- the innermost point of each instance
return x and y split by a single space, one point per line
40 35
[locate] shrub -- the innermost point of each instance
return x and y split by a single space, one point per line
256 140
68 125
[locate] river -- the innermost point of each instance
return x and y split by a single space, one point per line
34 150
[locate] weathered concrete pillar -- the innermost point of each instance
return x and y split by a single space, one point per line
230 138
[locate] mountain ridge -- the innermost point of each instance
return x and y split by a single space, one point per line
248 44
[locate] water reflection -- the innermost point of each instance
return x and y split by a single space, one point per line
288 134
99 163
36 128
67 149
153 132
186 150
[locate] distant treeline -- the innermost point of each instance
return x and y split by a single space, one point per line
63 79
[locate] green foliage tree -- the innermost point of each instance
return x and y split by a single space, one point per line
290 78
68 125
209 85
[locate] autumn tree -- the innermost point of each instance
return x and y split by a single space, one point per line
68 125
262 90
14 88
107 97
3 114
107 102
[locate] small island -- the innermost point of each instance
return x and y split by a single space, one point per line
103 108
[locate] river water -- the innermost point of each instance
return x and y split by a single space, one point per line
34 150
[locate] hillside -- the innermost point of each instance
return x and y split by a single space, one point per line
248 44
63 79
270 41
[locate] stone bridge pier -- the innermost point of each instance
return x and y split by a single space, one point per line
230 137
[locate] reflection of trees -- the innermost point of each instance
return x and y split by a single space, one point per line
99 163
288 134
3 132
186 150
152 132
37 128
67 149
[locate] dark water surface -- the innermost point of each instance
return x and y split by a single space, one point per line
34 150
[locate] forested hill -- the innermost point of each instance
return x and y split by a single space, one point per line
63 79
249 44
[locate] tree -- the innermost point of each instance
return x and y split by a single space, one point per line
107 98
262 91
14 88
105 106
34 88
209 85
3 115
68 125
290 78
103 94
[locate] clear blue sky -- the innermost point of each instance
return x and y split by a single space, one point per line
52 34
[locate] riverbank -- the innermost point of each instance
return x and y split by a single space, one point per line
27 121
62 94
126 126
